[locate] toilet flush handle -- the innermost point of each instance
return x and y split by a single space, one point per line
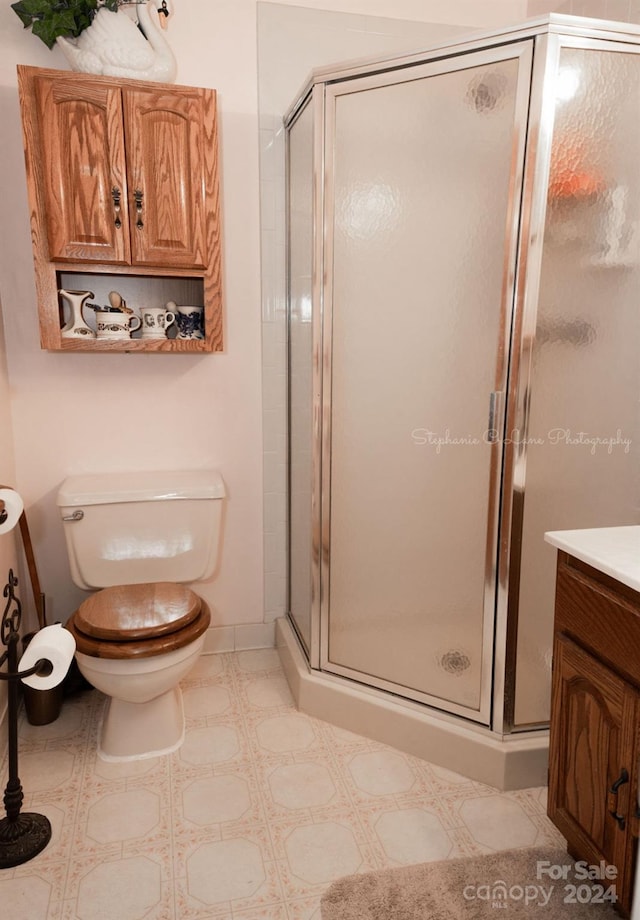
77 515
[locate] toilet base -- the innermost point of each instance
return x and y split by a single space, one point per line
136 731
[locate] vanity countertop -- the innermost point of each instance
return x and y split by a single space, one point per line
612 550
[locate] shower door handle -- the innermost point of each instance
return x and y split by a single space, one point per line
495 406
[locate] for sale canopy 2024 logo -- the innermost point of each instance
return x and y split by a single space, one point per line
578 883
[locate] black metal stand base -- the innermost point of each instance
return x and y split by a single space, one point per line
23 838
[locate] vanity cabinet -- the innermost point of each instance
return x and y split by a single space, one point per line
123 180
595 719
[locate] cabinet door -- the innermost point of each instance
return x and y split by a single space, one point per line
83 162
165 138
592 757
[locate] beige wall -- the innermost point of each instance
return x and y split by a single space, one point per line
75 413
617 10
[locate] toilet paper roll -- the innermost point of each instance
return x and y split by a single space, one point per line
58 646
11 507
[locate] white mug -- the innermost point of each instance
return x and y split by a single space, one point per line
155 322
112 325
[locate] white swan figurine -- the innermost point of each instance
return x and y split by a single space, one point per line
114 46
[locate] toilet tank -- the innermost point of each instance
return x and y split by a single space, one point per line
130 528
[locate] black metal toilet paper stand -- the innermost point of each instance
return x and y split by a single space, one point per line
22 834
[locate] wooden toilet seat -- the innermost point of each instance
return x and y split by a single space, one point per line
138 621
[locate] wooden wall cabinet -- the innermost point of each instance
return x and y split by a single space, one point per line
122 178
595 711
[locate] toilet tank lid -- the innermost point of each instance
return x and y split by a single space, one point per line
114 487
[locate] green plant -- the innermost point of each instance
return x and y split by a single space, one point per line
50 18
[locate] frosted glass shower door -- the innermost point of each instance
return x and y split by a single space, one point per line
422 194
583 422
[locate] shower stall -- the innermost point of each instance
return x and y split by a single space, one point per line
464 327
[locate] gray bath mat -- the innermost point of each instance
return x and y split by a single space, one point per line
515 884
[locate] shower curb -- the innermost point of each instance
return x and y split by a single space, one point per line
506 762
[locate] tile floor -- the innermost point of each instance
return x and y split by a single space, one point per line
257 813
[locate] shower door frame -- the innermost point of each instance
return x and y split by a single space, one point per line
315 101
523 51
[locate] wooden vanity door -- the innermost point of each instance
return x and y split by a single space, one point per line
592 756
82 155
166 154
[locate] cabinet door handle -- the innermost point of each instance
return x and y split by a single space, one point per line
613 799
138 196
115 194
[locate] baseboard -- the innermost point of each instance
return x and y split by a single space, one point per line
239 638
504 762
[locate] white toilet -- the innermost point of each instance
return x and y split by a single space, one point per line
138 537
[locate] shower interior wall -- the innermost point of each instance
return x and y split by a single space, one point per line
572 278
